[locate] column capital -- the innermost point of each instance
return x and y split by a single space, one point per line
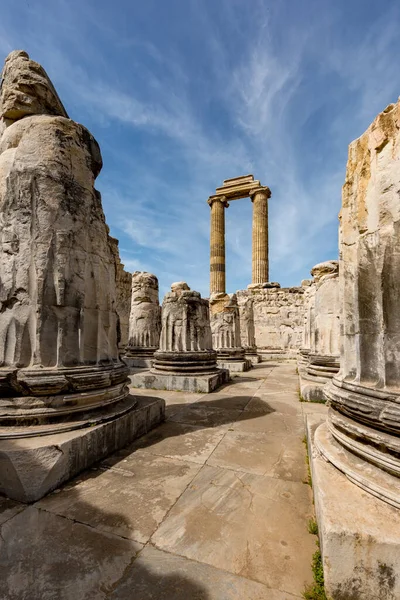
221 199
260 190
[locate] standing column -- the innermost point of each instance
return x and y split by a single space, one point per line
217 244
259 265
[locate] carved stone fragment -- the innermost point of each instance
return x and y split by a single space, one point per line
59 364
185 359
364 418
144 320
225 329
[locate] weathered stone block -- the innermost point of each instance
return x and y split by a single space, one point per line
31 467
358 533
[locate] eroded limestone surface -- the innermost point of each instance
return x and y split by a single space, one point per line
124 285
278 318
185 360
365 395
225 329
144 320
58 327
64 399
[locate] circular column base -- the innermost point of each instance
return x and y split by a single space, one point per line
40 396
322 366
357 469
231 354
186 363
132 352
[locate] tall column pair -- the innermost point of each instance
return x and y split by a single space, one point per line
259 198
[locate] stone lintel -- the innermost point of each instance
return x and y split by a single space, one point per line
237 191
239 180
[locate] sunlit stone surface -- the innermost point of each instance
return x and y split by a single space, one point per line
321 331
365 395
185 359
59 364
144 321
225 329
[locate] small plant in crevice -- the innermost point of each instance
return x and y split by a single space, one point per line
313 526
301 399
307 481
316 590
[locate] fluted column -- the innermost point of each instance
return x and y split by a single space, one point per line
217 244
259 265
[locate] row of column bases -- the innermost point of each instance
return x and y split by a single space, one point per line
259 198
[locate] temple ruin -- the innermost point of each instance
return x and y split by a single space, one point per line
235 189
91 364
60 369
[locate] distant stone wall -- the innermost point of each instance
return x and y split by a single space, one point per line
278 317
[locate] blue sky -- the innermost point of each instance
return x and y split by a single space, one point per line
182 94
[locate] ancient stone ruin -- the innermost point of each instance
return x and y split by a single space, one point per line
123 300
144 320
185 359
69 311
225 329
247 327
234 189
321 331
362 435
60 370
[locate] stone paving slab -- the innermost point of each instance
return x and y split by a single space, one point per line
181 441
231 401
46 557
283 404
272 455
248 525
157 575
9 508
139 488
269 417
234 530
202 415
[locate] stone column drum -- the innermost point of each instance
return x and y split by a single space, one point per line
217 244
59 365
308 322
247 327
362 437
123 302
259 198
144 321
323 358
185 360
225 329
359 524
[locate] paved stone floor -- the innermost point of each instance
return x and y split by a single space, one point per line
211 505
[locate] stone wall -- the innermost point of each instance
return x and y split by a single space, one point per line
278 317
